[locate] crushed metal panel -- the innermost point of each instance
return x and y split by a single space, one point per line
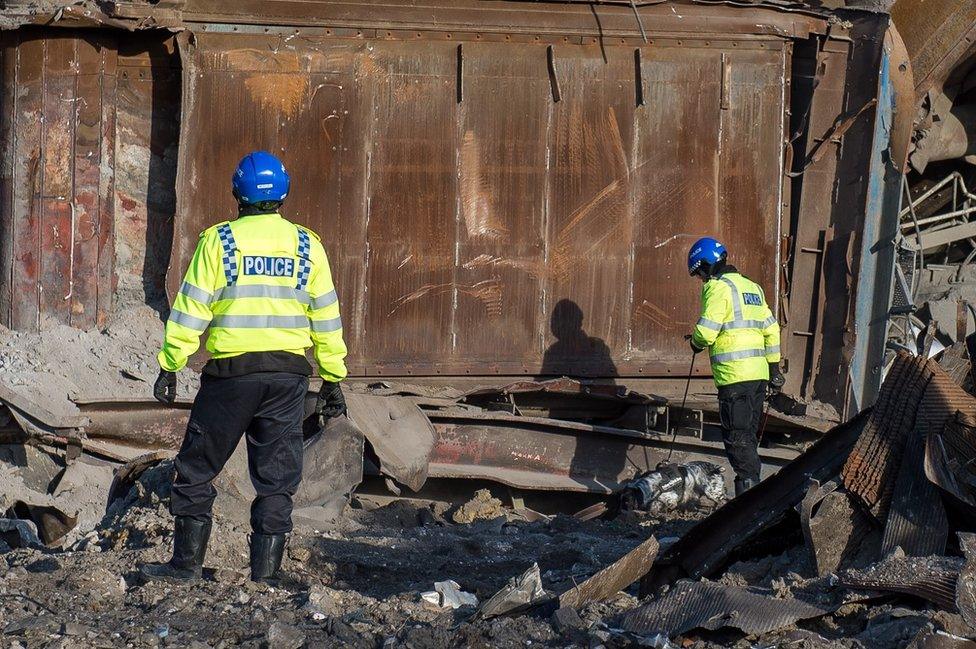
948 458
333 468
399 433
917 520
932 578
614 578
917 398
966 586
707 605
937 35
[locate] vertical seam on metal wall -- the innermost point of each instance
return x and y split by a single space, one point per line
544 282
639 114
367 207
783 128
12 153
75 62
40 172
458 107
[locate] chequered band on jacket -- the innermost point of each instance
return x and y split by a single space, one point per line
304 259
228 259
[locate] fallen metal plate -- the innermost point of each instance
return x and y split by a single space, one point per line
333 467
614 578
917 520
834 529
707 605
399 433
948 458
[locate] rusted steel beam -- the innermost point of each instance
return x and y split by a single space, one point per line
578 19
549 454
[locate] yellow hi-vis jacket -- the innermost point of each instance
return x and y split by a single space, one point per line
260 284
739 330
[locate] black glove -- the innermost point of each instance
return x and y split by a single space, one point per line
776 378
695 349
330 403
165 388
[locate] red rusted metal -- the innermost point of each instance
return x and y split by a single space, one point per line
504 233
476 226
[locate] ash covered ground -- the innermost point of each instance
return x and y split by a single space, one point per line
61 365
359 583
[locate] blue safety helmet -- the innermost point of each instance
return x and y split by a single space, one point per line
705 252
261 178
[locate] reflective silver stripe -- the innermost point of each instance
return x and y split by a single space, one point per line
745 324
324 326
736 304
196 293
769 322
187 320
738 356
772 349
709 324
322 301
262 290
260 321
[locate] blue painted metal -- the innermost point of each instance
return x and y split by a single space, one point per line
877 256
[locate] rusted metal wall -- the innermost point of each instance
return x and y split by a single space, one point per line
503 188
476 224
58 129
90 127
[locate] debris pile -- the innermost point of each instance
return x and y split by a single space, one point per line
875 510
864 540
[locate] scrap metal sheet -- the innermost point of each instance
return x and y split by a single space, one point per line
707 605
614 578
932 578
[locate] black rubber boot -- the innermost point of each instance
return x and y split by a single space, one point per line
266 553
190 539
744 484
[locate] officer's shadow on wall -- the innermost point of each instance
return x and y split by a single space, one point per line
578 355
575 353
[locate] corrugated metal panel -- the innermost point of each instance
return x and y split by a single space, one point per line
933 578
468 226
707 605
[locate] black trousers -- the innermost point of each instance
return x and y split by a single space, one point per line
269 407
740 408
